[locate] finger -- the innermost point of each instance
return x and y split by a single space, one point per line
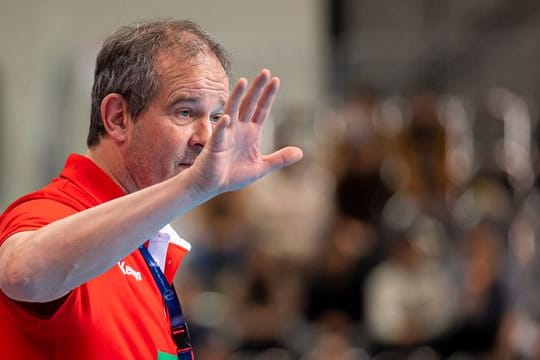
218 134
282 158
233 102
251 98
265 102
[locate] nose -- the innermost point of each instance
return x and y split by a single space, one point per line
202 129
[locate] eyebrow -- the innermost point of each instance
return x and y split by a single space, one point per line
184 99
192 100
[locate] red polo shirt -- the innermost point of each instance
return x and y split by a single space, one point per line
118 315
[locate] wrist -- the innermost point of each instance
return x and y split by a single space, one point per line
194 187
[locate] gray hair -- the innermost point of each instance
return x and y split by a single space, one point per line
125 64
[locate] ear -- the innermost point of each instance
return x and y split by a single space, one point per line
115 116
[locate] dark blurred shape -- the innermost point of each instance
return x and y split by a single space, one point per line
423 148
335 283
483 299
262 312
360 191
221 249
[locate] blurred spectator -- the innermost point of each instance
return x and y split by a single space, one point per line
422 146
483 298
357 159
334 344
360 191
222 241
290 209
335 284
408 296
263 307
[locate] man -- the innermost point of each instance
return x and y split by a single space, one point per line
165 136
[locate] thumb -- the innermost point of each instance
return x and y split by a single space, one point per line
282 158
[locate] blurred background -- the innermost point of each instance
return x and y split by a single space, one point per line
409 231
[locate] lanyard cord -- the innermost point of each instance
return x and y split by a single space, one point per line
179 329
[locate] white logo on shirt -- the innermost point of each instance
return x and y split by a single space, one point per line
128 270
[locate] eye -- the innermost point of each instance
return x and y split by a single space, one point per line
215 118
183 113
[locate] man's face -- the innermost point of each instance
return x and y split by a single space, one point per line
169 134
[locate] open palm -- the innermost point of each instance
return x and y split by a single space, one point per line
231 158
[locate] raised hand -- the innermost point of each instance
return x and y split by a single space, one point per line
231 158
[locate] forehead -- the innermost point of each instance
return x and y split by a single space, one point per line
198 76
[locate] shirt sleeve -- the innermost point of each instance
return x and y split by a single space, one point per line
28 216
32 215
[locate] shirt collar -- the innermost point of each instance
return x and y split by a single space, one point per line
86 174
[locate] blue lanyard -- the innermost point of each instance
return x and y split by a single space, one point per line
179 329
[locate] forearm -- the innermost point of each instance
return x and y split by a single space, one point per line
46 264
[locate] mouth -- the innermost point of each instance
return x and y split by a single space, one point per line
185 165
187 160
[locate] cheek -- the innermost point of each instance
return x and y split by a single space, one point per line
160 139
163 144
178 138
146 148
171 146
